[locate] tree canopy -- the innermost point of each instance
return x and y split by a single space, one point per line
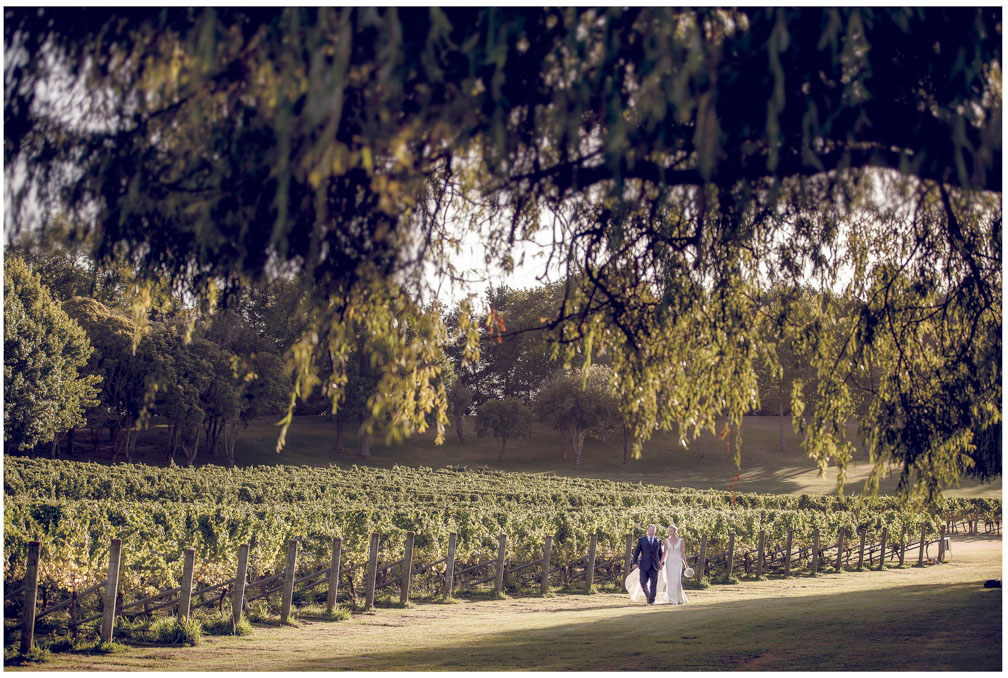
577 404
682 159
507 419
46 389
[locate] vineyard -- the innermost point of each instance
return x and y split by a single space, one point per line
74 508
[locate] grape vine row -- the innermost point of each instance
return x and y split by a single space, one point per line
74 508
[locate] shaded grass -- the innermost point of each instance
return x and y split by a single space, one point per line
813 632
938 618
705 463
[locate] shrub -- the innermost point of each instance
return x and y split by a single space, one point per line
260 612
220 625
339 613
35 655
176 631
101 647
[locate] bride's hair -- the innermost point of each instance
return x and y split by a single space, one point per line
673 527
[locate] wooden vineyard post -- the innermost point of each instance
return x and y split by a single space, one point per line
31 597
501 551
289 573
450 565
761 549
903 545
885 534
815 551
73 614
702 559
920 554
839 549
185 597
238 595
372 572
407 569
591 560
941 546
731 556
787 555
111 590
864 535
334 572
628 558
544 583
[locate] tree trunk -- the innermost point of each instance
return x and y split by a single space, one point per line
70 442
230 436
579 436
213 432
131 440
339 433
172 442
54 446
781 420
627 438
458 428
117 448
365 444
500 455
190 448
564 431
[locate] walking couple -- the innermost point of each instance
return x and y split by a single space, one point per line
658 568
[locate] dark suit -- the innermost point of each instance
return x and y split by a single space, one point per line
649 557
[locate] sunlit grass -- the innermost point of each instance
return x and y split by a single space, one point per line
706 462
836 621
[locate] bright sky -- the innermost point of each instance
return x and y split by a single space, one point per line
529 265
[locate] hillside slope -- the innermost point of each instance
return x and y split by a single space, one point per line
704 463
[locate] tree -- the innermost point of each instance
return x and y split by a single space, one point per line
46 389
680 157
515 354
783 312
507 419
388 370
263 391
460 397
178 379
987 462
113 337
580 403
68 269
249 380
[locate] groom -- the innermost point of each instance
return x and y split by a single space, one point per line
649 553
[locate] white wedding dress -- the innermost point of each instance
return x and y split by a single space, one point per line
673 573
673 564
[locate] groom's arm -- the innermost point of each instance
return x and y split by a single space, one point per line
636 552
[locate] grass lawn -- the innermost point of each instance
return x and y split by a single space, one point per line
932 618
705 463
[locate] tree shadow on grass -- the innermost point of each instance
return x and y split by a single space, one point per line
947 627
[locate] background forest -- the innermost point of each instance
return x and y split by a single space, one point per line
254 213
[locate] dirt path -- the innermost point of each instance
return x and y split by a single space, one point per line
935 618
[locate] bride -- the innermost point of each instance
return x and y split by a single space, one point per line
671 571
673 567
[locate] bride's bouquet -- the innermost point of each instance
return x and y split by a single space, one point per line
688 573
